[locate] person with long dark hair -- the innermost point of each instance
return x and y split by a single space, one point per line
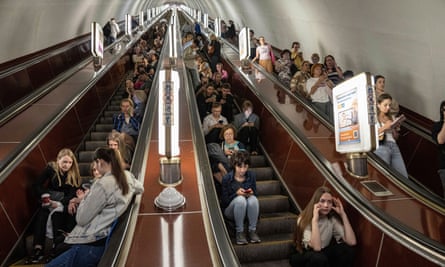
321 221
388 149
438 134
99 207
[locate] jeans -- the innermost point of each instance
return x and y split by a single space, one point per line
326 108
390 153
238 208
78 255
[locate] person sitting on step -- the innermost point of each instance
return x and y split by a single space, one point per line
238 197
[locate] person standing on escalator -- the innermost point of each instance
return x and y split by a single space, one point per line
438 134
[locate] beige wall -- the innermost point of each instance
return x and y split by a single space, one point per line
401 39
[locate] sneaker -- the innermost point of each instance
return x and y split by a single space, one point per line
254 238
241 238
36 257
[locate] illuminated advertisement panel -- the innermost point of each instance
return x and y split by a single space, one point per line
354 115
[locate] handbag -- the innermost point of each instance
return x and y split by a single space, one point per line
56 195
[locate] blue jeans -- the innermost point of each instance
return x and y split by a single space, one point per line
326 108
78 255
390 153
239 207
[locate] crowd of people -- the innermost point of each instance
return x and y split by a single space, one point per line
77 213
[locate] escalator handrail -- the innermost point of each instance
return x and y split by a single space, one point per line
224 245
415 241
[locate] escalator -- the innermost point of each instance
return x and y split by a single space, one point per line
97 97
300 146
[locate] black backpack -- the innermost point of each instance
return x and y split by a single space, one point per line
107 29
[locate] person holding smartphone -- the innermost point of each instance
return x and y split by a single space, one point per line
321 221
238 197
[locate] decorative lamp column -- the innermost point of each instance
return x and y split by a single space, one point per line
168 124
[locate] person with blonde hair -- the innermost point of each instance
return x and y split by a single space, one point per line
323 235
125 121
99 207
56 188
124 144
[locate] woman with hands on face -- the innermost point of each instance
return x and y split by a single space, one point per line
238 197
323 219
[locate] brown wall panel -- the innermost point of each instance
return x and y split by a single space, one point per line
9 236
422 163
394 254
16 193
40 73
67 133
14 87
87 109
72 56
58 64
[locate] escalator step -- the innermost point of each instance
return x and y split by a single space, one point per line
86 156
104 127
273 203
257 161
93 145
272 247
268 187
106 120
98 136
263 173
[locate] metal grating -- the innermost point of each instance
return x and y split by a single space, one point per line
376 188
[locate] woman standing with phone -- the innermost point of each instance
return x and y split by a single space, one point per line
322 220
388 149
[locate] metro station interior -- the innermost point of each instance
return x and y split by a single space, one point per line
60 89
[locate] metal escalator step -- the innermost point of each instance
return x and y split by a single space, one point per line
100 127
272 247
93 145
268 187
263 173
273 203
98 136
86 156
257 161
